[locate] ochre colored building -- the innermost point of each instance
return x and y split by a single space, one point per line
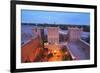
30 50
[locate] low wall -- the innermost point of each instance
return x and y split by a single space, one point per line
85 47
82 47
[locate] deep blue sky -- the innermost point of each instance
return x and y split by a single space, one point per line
31 16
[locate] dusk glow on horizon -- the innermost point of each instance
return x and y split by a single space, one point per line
55 17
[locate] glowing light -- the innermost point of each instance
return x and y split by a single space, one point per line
55 51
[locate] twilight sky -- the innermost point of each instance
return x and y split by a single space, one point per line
50 17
